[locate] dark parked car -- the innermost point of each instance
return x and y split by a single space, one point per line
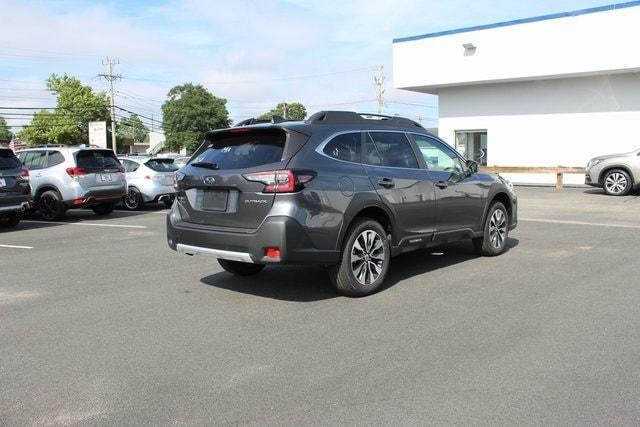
341 189
15 192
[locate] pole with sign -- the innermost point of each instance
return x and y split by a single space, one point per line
98 134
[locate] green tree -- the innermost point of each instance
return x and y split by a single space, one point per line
76 106
132 129
189 112
5 132
289 111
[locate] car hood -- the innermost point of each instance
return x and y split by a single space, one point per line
612 156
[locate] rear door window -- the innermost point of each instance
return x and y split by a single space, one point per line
130 166
162 165
55 158
390 149
8 160
243 150
35 160
97 159
345 147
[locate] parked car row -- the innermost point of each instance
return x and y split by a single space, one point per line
54 179
15 191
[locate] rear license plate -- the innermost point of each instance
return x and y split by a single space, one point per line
3 183
106 177
215 200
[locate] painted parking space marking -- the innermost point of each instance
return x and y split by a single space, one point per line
15 246
592 224
88 224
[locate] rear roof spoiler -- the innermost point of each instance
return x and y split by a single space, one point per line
254 121
350 117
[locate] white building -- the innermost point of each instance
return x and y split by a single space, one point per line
545 91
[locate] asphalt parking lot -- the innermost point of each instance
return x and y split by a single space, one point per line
100 323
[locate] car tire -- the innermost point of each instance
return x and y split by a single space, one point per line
495 232
103 209
240 268
50 206
617 182
10 220
365 260
133 200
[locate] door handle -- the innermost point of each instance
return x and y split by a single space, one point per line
442 184
386 183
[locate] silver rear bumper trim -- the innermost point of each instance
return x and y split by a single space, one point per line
218 253
20 207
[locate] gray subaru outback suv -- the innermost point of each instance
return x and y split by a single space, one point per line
341 189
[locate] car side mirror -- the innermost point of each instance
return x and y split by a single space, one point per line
473 166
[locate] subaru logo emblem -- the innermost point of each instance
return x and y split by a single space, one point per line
209 180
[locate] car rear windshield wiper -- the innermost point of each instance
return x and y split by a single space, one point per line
206 165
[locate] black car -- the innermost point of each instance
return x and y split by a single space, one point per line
15 192
341 189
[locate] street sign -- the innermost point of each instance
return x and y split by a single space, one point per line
98 134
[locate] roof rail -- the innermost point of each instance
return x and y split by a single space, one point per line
350 117
49 146
254 121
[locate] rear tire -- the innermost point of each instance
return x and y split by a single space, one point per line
103 209
50 206
617 182
10 220
365 260
495 232
240 268
133 200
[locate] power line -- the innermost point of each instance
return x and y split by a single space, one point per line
273 79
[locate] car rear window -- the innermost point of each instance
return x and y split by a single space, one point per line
244 150
8 160
162 165
97 159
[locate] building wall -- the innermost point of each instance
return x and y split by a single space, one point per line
547 122
584 44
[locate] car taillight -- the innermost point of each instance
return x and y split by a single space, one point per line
280 181
24 174
73 172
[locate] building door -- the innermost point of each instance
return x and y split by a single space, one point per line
473 145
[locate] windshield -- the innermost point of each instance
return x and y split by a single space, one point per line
8 160
162 165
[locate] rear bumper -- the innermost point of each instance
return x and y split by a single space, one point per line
281 232
95 198
15 207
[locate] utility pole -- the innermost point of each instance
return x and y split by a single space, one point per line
109 63
420 118
378 79
152 122
285 110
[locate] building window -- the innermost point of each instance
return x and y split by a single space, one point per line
472 144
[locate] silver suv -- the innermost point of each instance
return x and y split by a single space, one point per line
64 177
149 179
617 174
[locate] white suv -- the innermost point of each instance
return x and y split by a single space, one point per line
65 177
149 179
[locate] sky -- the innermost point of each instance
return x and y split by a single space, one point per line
254 54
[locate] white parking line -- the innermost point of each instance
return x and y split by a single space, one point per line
592 224
89 224
15 247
